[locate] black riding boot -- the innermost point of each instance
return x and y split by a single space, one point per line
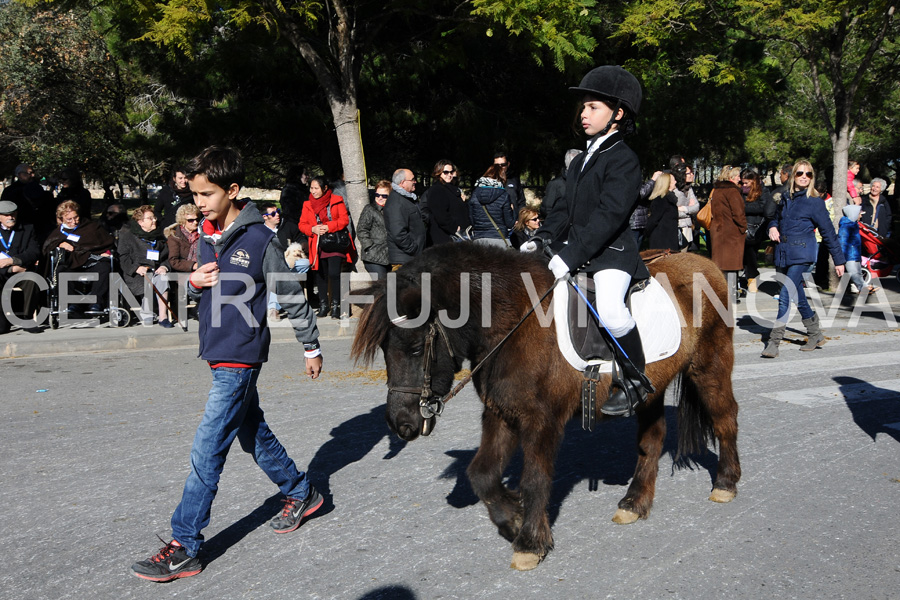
623 401
335 310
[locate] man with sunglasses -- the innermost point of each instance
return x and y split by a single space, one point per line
286 231
513 185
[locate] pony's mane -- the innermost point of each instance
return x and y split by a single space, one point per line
444 263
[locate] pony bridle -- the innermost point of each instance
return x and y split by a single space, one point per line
428 405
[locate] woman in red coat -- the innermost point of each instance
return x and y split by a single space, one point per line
729 225
314 222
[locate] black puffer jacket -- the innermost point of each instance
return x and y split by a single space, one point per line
497 202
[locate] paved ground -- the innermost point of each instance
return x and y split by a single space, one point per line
96 450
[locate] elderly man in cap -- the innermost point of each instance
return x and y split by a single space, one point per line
19 251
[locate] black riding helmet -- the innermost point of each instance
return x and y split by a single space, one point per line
613 83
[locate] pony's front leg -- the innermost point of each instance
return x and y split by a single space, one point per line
498 443
651 435
535 540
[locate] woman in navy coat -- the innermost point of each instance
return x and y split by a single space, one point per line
794 228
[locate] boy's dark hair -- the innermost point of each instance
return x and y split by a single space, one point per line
222 166
267 205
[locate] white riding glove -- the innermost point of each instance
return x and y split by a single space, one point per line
559 267
530 246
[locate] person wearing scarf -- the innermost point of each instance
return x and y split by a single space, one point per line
143 251
87 248
314 222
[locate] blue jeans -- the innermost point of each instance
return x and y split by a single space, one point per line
232 410
794 274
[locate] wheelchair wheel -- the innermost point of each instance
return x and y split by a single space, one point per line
119 317
867 276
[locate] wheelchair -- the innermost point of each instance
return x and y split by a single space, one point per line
80 282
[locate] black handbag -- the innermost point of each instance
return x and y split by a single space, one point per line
333 241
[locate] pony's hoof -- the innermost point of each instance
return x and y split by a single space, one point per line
720 495
525 561
624 517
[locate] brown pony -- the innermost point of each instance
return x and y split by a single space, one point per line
457 301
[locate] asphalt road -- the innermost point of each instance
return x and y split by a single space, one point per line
95 453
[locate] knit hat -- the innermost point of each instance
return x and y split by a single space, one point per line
851 211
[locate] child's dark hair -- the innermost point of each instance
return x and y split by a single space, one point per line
221 166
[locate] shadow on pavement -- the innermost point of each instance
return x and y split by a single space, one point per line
873 408
390 592
608 455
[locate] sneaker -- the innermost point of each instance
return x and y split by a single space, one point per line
166 324
295 510
170 563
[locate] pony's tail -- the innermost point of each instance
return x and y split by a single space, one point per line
695 426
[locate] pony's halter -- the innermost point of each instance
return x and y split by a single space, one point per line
428 405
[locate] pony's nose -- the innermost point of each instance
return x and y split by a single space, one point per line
407 431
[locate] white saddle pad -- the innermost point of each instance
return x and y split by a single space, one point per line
657 322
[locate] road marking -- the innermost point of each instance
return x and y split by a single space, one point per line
771 369
847 393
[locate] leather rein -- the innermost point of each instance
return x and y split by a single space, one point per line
434 407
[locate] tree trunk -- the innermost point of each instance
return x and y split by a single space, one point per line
839 195
346 125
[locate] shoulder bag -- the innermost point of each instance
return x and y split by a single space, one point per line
333 241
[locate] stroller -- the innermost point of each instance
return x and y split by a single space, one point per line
879 254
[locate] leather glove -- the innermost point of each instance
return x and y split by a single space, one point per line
559 267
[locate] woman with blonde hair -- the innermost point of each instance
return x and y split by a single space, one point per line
794 229
662 222
528 222
729 225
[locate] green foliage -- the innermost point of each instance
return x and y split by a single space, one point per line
565 27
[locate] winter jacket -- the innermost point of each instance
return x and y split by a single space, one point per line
797 219
447 212
168 202
406 230
662 224
340 219
179 249
236 331
372 235
851 243
729 226
21 246
689 201
553 193
135 248
878 217
594 216
759 213
490 194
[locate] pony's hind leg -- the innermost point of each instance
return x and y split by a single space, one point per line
498 443
714 411
651 435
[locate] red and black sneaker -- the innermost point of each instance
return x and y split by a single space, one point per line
295 510
170 563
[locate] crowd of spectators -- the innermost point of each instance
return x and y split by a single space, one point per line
312 218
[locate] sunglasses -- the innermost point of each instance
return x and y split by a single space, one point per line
381 195
450 172
191 220
503 164
805 174
534 219
272 214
